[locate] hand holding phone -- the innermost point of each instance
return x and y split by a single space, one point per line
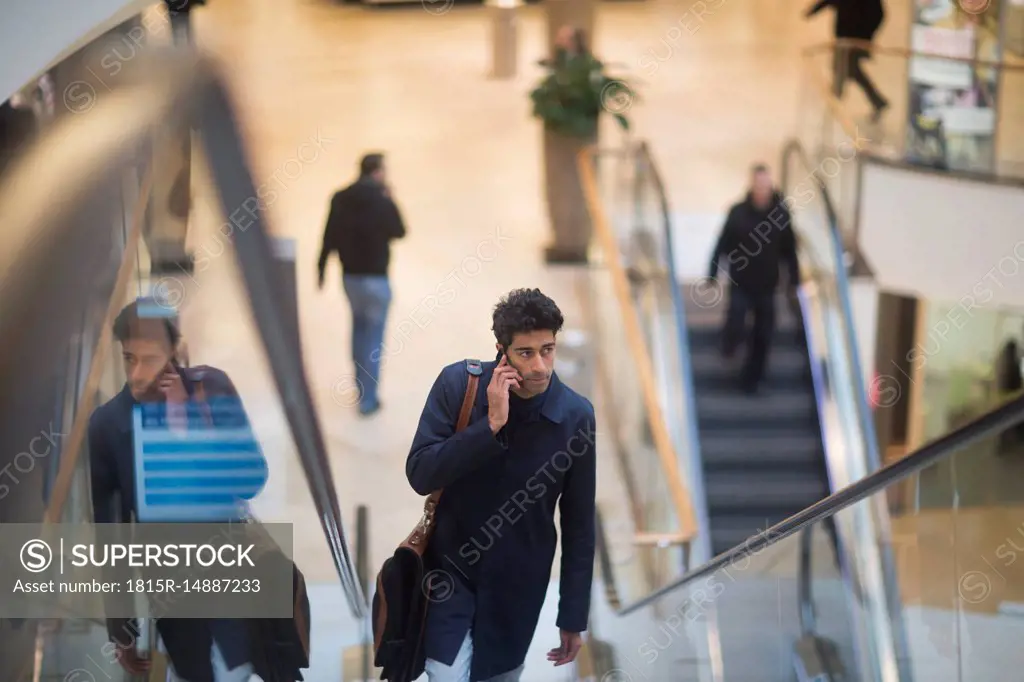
503 380
171 384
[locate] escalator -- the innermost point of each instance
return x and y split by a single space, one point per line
749 463
880 574
801 618
764 456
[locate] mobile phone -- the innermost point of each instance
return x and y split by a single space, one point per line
176 367
502 353
154 392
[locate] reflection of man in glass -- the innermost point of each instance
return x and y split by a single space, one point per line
211 650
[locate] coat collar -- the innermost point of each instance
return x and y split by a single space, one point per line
125 404
554 403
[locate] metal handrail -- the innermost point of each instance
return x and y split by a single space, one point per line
669 460
172 85
1010 413
1002 418
822 380
842 288
679 307
903 52
87 397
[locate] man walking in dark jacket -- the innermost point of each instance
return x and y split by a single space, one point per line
362 222
529 444
756 239
860 20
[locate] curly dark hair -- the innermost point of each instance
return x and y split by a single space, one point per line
130 324
525 310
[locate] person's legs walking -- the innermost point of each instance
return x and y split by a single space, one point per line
735 328
370 298
458 671
878 102
840 70
355 291
760 342
181 27
376 322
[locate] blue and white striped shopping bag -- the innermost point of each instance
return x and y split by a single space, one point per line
206 473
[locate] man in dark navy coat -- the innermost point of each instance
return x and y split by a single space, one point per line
529 447
214 650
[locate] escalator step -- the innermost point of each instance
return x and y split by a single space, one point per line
784 361
782 448
782 408
740 490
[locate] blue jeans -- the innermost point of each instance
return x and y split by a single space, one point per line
370 297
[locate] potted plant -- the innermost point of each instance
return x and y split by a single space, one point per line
569 101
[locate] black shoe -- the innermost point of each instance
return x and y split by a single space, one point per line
879 110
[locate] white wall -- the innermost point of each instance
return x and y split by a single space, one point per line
35 34
943 238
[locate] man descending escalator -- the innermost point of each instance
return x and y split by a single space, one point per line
200 650
757 239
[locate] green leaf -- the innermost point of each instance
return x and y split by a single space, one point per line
576 91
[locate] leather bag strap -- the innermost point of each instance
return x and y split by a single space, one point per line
474 369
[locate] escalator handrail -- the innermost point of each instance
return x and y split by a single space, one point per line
998 420
86 399
864 435
229 168
682 502
865 422
679 307
179 87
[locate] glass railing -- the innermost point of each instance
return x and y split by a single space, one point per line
663 314
969 118
643 242
969 378
849 441
971 122
61 289
781 604
650 520
827 312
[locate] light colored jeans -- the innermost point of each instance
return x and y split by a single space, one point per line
370 297
458 671
242 673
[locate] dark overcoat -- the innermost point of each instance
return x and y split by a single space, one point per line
112 472
494 543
